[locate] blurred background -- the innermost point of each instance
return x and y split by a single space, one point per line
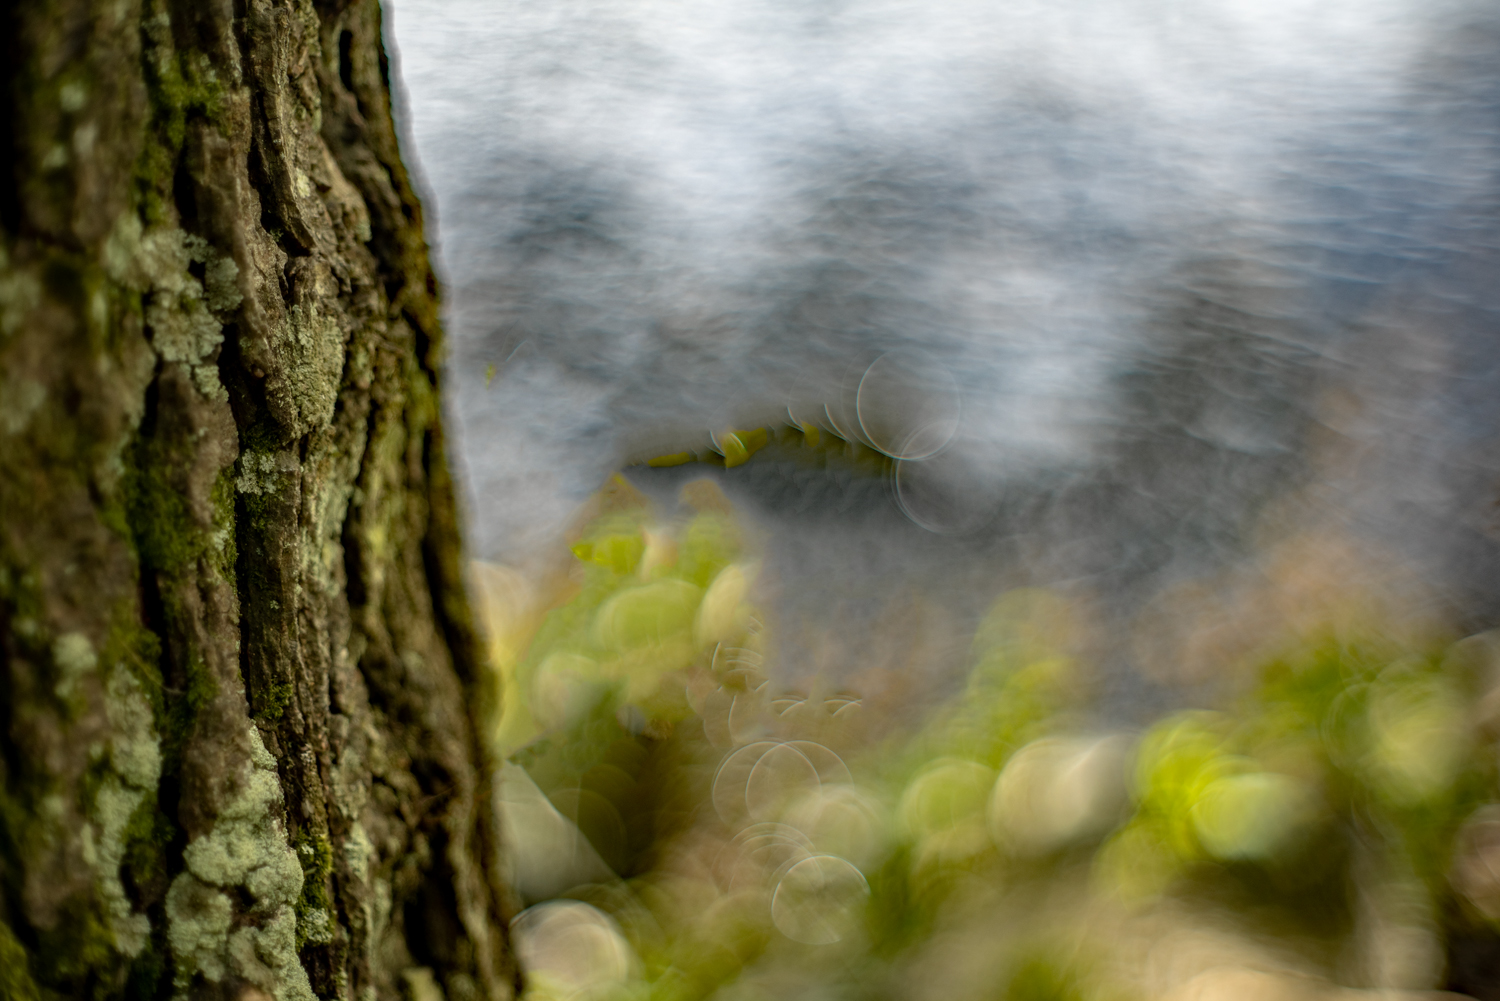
1099 362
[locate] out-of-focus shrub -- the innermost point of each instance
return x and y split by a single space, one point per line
683 825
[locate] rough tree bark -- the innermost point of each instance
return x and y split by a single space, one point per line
240 680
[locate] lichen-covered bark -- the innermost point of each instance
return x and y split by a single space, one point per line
239 746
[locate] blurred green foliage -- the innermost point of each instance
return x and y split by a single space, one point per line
1319 827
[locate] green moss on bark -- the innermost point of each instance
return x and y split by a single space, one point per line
158 514
148 973
180 86
315 911
271 701
77 948
16 982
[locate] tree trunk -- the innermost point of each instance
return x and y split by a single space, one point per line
240 748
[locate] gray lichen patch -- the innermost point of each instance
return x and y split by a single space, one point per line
74 657
121 252
359 852
264 472
114 805
182 312
246 848
198 920
183 330
132 757
20 399
267 957
317 926
146 260
135 751
135 759
375 897
309 348
221 291
20 293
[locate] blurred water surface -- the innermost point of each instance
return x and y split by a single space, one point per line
1158 248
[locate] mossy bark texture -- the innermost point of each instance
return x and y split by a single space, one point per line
240 682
